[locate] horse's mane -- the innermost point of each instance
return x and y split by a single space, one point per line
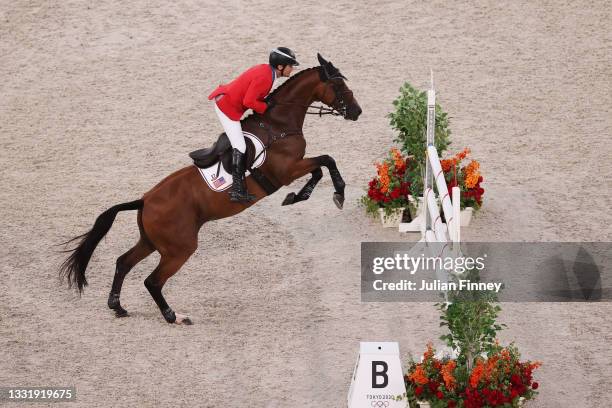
283 86
290 80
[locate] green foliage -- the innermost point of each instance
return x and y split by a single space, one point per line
471 321
410 120
371 207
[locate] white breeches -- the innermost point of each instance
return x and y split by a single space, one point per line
232 129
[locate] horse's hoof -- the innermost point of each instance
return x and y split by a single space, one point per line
182 319
290 199
339 200
121 312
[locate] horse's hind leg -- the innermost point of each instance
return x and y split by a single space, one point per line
168 266
124 264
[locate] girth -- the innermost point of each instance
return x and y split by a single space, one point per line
273 136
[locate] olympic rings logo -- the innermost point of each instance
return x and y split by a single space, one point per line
380 404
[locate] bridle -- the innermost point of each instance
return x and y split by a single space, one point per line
338 105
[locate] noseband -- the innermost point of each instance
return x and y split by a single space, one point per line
338 105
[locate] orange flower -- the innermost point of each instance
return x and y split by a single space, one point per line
383 175
477 373
398 160
447 374
463 154
418 376
491 367
535 364
429 353
395 153
473 167
471 180
448 164
472 174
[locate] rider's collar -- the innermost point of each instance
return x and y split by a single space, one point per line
273 73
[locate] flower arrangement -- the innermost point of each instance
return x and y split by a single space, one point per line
388 189
481 374
409 119
499 380
467 177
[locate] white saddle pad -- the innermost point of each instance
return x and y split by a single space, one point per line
223 180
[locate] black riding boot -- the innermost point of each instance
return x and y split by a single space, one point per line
239 191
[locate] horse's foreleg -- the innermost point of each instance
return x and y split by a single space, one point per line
307 190
334 173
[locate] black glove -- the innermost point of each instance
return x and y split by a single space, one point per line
270 103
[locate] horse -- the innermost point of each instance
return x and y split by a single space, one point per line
171 214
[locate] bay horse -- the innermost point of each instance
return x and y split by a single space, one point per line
171 214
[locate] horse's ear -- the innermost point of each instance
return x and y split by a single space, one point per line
323 74
322 61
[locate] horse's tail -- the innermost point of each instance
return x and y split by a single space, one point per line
73 268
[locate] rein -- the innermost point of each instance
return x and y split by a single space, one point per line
324 110
274 136
338 108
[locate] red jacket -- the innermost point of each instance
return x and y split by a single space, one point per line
245 92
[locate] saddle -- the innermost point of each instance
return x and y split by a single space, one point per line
221 152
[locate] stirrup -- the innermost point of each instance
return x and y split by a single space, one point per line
237 197
239 193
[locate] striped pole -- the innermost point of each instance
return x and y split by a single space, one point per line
433 226
431 135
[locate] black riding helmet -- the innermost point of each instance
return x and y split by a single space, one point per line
282 56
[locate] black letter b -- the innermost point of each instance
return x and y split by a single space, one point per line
382 373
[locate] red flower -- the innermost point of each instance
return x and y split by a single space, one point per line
395 193
535 385
439 394
521 389
516 379
418 391
496 397
433 386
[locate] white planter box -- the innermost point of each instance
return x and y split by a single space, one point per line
465 216
392 220
417 220
425 404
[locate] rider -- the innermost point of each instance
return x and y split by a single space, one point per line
248 91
